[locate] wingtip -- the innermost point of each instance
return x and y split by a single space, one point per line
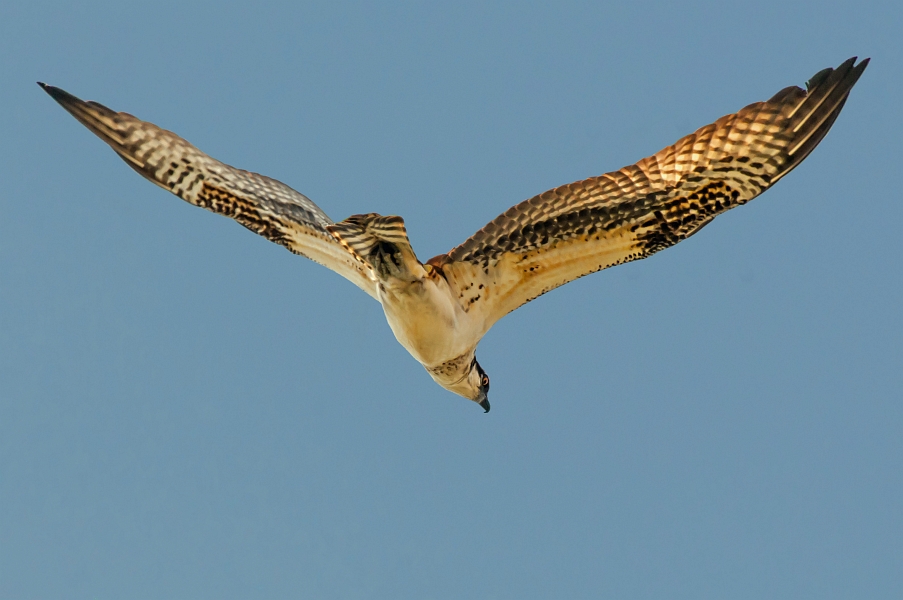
843 70
49 88
851 63
857 70
62 96
54 92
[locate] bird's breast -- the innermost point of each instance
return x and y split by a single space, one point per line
427 321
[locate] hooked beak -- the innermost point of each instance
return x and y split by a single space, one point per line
484 403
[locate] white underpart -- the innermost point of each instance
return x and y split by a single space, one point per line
428 321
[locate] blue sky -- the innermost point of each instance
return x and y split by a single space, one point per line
187 410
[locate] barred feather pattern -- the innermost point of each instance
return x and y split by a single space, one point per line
263 205
381 243
636 211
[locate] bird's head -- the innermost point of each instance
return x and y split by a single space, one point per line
473 386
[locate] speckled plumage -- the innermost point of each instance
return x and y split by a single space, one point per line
631 213
440 310
263 205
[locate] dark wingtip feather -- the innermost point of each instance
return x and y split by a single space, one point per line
61 96
818 78
826 96
861 66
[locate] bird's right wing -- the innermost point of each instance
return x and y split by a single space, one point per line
263 205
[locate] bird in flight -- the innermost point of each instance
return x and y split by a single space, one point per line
439 310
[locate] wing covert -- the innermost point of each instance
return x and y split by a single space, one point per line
263 205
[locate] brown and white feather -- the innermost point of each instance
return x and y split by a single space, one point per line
634 212
263 205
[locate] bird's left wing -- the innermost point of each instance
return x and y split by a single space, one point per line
629 214
265 206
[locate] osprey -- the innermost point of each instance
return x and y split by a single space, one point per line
439 310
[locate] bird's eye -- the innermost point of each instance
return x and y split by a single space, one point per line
484 381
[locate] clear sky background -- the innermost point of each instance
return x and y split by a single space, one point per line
187 410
